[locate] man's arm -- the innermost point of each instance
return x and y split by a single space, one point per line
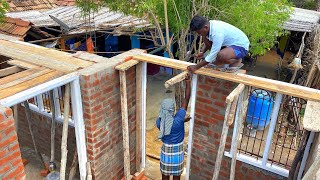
186 99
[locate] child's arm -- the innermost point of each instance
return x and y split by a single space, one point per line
186 99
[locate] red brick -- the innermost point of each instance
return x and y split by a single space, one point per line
1 117
220 104
10 158
218 117
8 112
203 100
5 124
8 141
3 153
14 147
14 173
9 130
4 169
16 162
205 87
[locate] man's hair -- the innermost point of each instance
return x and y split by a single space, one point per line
197 22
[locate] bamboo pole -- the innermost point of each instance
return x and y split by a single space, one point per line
222 144
64 150
125 126
239 118
28 113
53 125
74 166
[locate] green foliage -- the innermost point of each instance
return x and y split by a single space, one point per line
261 20
4 6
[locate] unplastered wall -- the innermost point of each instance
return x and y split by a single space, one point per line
100 88
11 166
41 128
209 117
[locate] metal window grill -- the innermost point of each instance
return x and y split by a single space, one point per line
43 103
288 131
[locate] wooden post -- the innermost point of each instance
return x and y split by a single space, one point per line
15 116
239 118
74 166
229 100
89 173
138 115
64 150
222 144
178 78
314 168
125 128
53 125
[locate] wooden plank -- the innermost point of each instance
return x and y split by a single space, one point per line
239 118
312 171
232 111
64 150
127 65
19 75
222 144
28 84
178 78
42 56
235 93
267 84
311 116
22 64
138 115
9 70
125 125
37 72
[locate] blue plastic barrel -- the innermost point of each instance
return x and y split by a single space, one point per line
259 109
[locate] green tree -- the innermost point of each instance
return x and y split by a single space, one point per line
3 9
260 20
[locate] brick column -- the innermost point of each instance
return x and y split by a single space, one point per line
11 166
209 117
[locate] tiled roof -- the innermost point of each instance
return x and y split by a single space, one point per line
27 5
15 27
19 28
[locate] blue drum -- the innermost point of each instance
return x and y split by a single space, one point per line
259 109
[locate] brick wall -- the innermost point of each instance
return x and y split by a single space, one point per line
209 117
42 132
100 86
11 166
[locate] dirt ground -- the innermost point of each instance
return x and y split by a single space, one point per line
265 66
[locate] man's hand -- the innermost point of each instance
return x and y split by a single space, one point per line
192 68
200 55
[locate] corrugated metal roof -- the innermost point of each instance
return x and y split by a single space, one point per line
71 15
302 20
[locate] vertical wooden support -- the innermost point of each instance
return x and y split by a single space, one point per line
274 117
239 119
63 44
89 173
40 102
53 125
77 114
305 155
125 126
15 116
192 112
138 115
222 144
144 112
64 150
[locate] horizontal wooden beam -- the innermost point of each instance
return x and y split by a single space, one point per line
41 56
9 70
22 64
178 78
127 65
267 84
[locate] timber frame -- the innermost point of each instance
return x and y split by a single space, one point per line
234 100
